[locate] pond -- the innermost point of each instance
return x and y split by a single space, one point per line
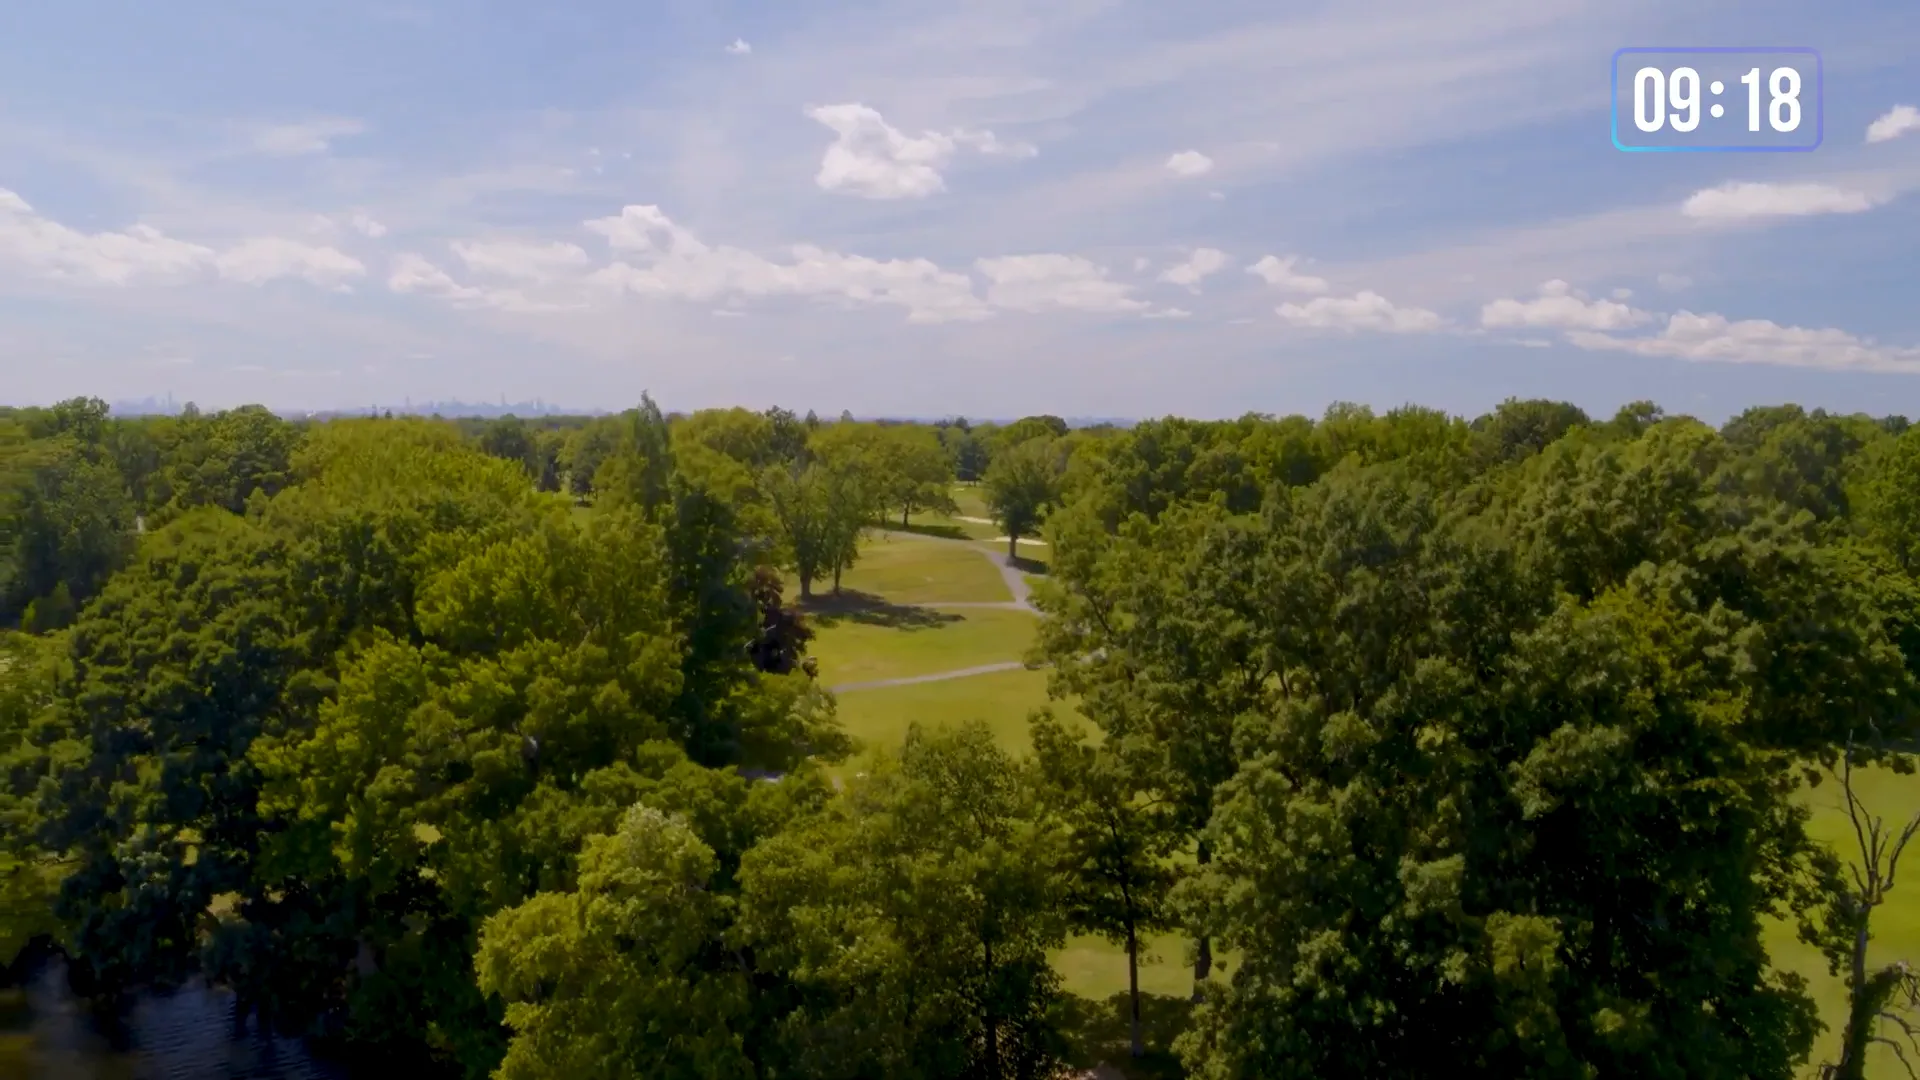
45 1034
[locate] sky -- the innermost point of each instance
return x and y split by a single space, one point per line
1113 208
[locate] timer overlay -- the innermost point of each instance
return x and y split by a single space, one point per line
1728 100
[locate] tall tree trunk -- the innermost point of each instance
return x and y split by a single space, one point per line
1133 987
1013 544
836 578
904 510
806 586
1203 954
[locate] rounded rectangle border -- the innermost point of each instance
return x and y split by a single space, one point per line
1820 93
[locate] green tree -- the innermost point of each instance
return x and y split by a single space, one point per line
1021 485
221 460
1119 837
29 875
1556 866
800 498
618 978
914 917
637 472
916 473
64 520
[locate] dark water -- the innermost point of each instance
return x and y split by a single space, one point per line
186 1035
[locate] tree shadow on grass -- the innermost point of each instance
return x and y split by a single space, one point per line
1098 1031
944 532
1027 565
866 609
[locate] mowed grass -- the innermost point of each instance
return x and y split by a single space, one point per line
912 571
971 499
942 525
1896 925
857 650
880 717
1096 968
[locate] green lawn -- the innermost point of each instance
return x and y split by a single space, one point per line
1096 969
971 501
904 571
1003 699
942 525
891 643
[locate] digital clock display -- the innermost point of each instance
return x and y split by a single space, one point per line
1728 100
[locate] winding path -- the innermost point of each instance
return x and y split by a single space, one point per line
1009 573
1016 585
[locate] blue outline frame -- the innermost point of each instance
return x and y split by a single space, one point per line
1819 85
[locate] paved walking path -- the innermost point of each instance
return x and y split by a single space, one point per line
939 676
1011 574
1022 601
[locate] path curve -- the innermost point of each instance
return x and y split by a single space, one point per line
1009 573
1022 601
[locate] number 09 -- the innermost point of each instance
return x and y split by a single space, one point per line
1654 90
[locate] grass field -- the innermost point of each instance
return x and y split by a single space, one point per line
914 571
895 642
1002 699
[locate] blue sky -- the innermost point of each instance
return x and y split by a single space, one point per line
1085 207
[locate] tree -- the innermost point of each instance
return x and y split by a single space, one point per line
637 472
509 439
64 521
801 502
29 874
636 940
914 917
584 450
1516 429
916 473
1021 484
221 460
1118 838
1521 867
1890 994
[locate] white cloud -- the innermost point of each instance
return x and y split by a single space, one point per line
1188 163
1623 294
136 253
366 225
1054 282
312 137
1280 274
1363 311
1561 307
263 259
739 47
1168 313
140 254
412 273
1673 282
1202 263
1739 200
874 160
673 263
1897 121
1140 264
520 260
1712 338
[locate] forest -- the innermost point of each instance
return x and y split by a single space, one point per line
1445 745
